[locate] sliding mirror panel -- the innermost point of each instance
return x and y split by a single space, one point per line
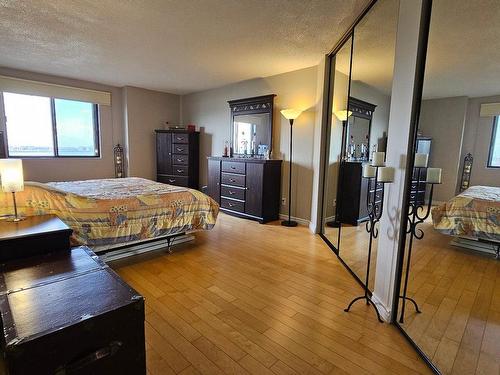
365 131
338 99
449 301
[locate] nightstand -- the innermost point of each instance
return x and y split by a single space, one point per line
35 235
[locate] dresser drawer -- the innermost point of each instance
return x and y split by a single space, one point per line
232 205
233 167
233 179
178 159
180 138
180 170
232 192
173 180
180 148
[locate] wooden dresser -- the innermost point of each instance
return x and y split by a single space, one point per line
246 187
418 189
352 193
177 157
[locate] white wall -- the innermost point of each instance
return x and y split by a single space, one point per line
209 110
145 111
477 136
443 120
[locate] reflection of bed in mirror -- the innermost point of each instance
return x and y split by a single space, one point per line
473 218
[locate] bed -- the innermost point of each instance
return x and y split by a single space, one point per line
473 214
116 211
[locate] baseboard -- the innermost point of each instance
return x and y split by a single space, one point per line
385 313
299 220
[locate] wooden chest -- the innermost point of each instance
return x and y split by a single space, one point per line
69 313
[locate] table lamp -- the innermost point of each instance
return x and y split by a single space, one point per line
11 173
290 115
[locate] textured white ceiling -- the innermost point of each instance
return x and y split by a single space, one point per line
178 46
463 56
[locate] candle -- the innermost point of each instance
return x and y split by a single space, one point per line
378 159
369 171
421 160
385 174
434 175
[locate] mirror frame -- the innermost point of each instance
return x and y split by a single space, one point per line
360 109
252 106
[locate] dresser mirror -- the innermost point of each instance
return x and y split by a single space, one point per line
252 126
357 132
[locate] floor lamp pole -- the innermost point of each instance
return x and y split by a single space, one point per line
290 222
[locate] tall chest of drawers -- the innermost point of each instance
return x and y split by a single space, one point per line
177 157
246 187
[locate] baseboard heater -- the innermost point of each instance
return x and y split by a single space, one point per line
120 251
482 246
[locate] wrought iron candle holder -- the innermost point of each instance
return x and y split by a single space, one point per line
118 159
414 219
374 214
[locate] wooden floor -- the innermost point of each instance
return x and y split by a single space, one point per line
354 249
260 299
459 294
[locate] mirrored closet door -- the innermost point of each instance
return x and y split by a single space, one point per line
360 94
449 290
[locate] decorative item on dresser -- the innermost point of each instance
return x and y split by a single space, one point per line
177 157
246 187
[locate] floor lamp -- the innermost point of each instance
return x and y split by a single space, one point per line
290 115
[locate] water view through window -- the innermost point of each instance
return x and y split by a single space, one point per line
44 127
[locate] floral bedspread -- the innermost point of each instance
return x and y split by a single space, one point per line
474 213
112 211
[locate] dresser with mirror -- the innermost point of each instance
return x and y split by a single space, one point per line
248 184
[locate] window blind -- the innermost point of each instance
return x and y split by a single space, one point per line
28 87
490 109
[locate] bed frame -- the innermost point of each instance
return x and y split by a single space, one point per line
110 253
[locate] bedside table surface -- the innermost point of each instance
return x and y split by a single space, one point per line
31 226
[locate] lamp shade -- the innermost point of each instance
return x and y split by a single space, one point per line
343 115
11 173
291 114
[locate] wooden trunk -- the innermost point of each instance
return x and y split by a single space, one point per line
69 313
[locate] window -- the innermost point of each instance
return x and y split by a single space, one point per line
38 126
494 156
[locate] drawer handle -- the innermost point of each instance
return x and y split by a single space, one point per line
180 138
180 170
180 149
231 192
231 204
171 180
233 167
180 160
107 351
232 180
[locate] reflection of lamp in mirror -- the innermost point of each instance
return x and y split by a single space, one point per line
343 115
11 173
290 115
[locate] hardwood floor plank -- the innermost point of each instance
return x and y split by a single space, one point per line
262 299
